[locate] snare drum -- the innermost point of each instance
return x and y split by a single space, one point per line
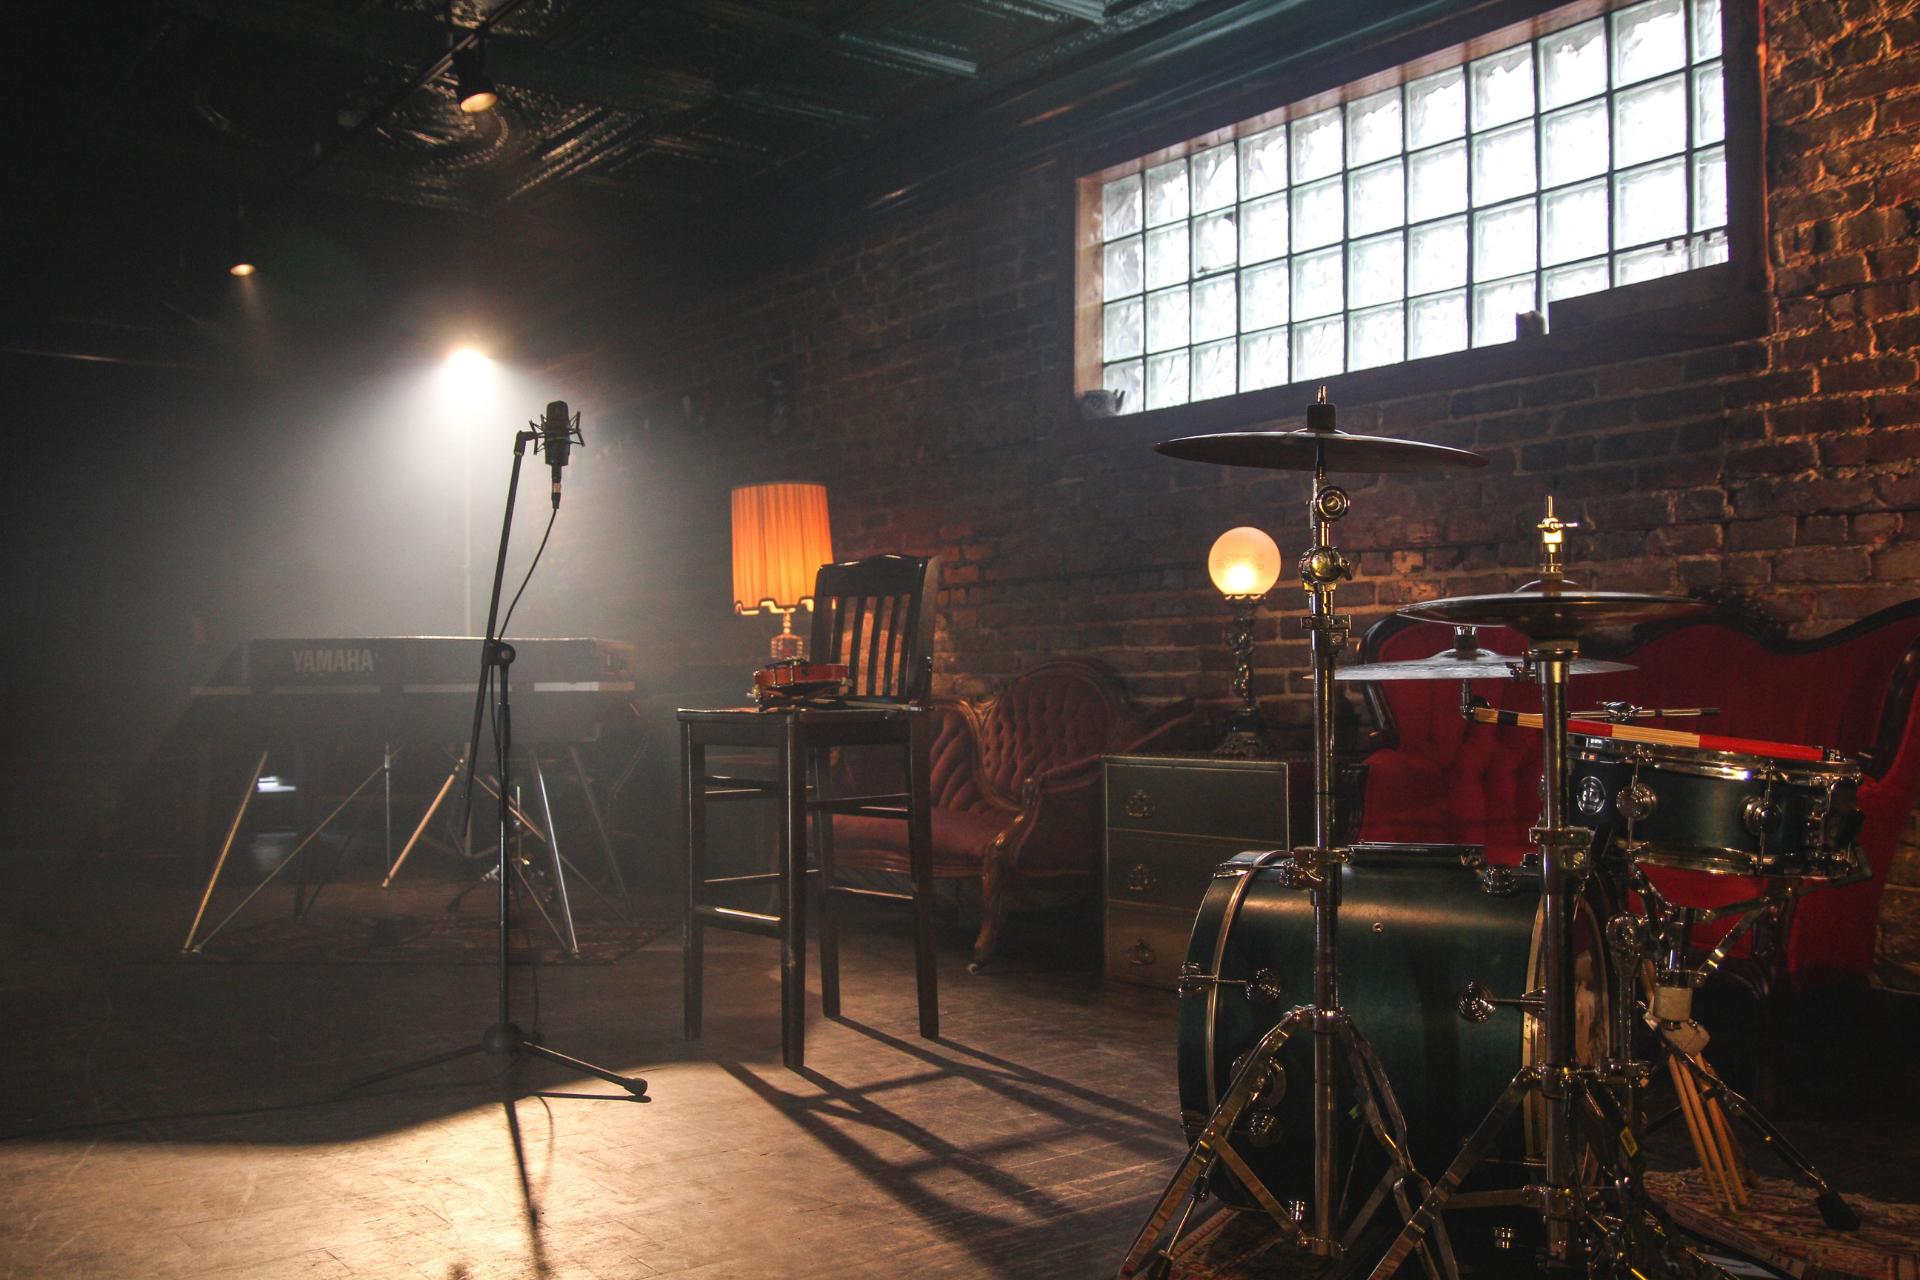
1717 811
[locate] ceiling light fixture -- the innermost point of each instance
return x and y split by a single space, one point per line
475 92
240 247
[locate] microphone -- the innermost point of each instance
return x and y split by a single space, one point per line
556 441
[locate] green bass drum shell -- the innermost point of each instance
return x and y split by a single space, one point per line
1416 925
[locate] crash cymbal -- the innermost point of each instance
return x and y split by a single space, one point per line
1465 664
1306 448
1556 615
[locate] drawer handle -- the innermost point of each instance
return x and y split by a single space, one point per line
1138 804
1141 954
1141 878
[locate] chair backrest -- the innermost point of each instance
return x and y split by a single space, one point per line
876 616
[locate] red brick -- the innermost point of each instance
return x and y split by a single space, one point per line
1822 564
1868 375
1760 535
1811 416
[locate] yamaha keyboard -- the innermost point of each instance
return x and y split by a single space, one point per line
411 689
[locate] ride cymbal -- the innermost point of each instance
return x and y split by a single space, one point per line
1309 449
1556 615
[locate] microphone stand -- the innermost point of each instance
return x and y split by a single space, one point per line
496 665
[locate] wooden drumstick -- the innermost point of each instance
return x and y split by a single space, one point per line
1723 1132
1705 1148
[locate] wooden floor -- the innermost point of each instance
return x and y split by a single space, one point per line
184 1117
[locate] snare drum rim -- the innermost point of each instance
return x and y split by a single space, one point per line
1732 766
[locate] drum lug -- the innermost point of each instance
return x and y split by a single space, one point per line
1262 988
1477 1002
1760 815
1497 881
1636 801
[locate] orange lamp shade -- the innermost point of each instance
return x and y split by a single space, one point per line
780 539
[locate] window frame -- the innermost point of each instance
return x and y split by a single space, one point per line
1700 307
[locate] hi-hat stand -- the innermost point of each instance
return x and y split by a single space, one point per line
504 1036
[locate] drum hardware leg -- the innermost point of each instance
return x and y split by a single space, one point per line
226 847
1472 1152
571 938
1389 1124
1189 1182
1834 1210
282 865
439 798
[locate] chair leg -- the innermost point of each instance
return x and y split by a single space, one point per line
793 899
993 912
817 769
920 863
693 799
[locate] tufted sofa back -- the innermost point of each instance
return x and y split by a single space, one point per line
1055 714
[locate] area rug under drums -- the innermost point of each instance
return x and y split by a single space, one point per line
1781 1226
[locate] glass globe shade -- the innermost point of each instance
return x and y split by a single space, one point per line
1244 562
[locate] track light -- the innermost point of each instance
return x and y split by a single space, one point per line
475 91
240 248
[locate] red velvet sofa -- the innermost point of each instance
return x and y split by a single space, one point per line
1435 777
1016 786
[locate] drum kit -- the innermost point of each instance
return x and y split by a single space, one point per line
1547 1111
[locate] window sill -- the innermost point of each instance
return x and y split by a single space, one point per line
1655 317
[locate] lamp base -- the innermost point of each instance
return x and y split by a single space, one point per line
1246 739
788 645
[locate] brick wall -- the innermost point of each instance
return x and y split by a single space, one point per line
930 369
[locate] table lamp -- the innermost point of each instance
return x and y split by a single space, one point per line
780 539
1244 564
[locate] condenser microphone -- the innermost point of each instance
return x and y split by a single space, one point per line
556 441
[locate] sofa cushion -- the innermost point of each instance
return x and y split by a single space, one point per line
960 840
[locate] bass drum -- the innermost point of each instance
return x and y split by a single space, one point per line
1417 923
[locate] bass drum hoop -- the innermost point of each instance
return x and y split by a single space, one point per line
1590 1036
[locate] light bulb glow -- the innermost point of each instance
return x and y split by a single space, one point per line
1244 562
240 269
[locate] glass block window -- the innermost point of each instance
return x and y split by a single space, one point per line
1420 219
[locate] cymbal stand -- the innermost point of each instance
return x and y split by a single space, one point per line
1316 868
1592 1113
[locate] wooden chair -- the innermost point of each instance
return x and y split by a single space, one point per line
876 616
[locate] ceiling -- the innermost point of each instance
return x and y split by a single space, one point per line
154 124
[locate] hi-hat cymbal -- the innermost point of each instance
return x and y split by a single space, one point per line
1552 615
1307 449
1465 664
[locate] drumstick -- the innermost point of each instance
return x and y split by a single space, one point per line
1661 737
1723 1130
1704 1148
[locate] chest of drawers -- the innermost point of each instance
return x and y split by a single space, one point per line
1170 820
